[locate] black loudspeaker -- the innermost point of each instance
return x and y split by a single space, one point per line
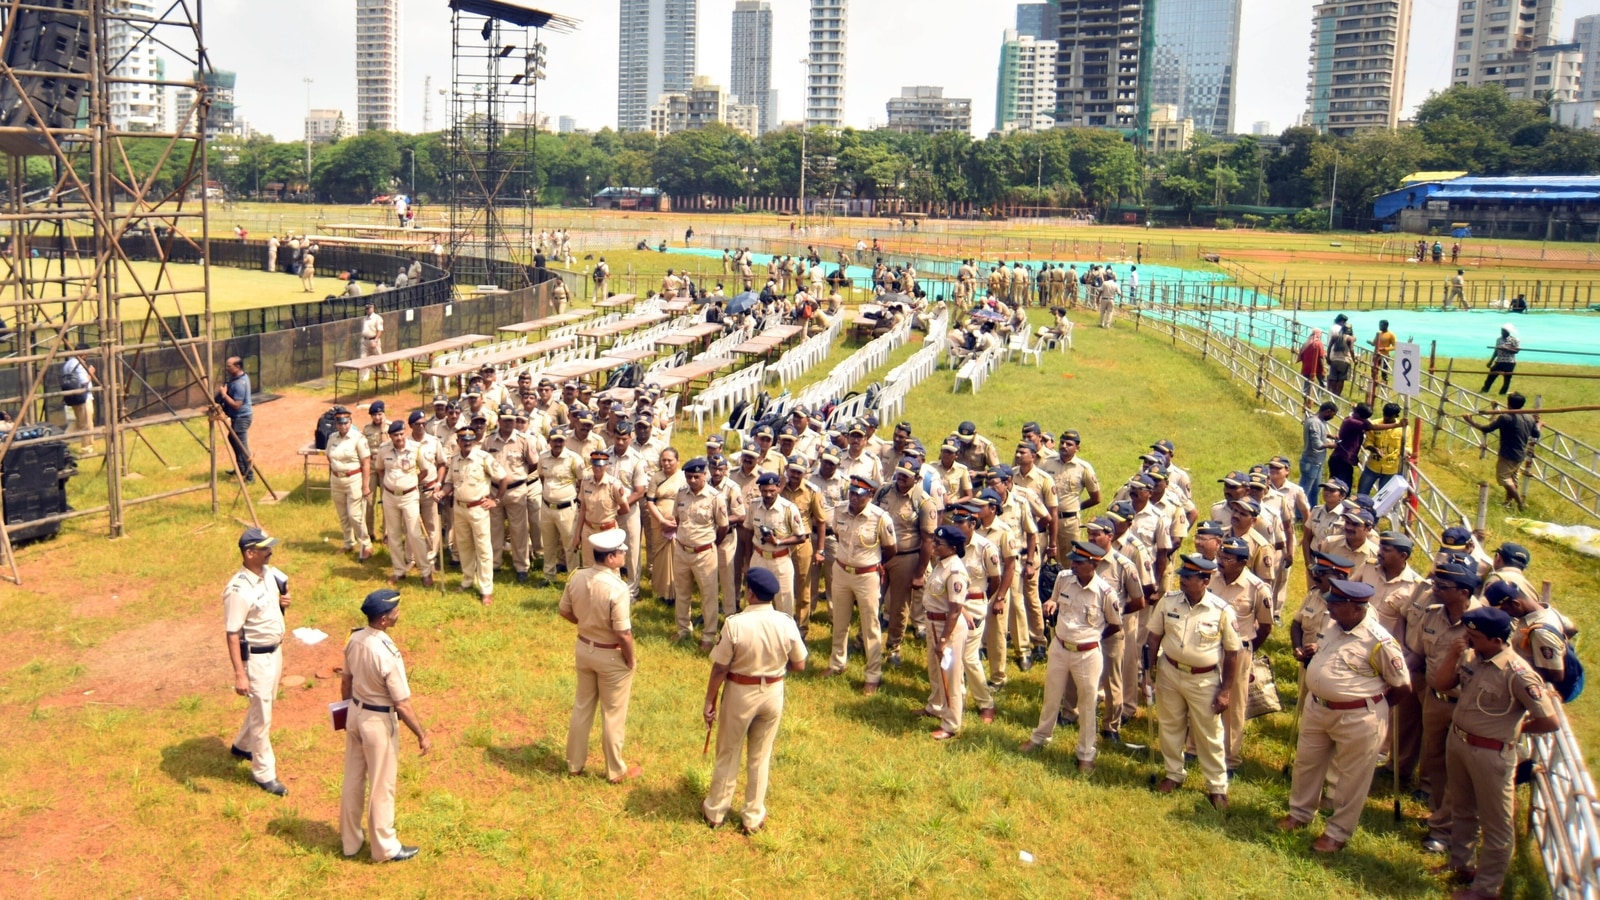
33 482
45 41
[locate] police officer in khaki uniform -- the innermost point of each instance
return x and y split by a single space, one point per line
776 526
1251 600
1438 626
1193 634
1135 588
349 467
732 497
434 465
1501 700
400 468
1009 626
602 500
252 613
1326 520
374 683
977 452
560 472
956 478
550 404
862 539
518 456
596 600
754 652
1077 488
914 517
949 621
632 470
376 433
1510 561
473 486
809 502
1087 613
1357 672
698 523
1539 634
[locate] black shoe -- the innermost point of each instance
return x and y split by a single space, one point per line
894 657
522 578
273 787
996 685
404 854
1112 736
1232 774
1025 662
241 754
1062 721
1040 655
561 568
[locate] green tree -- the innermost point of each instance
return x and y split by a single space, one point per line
355 170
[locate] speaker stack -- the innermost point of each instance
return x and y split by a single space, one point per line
33 482
48 42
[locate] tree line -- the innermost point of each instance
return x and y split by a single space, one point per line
1476 130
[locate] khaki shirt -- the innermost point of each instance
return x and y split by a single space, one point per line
1120 572
947 589
809 502
1433 635
957 479
978 455
733 501
868 465
1357 664
1336 546
554 409
560 475
1324 523
250 608
1262 556
861 538
600 601
433 459
475 475
401 468
376 435
1250 598
1313 616
749 491
1070 479
1140 555
913 515
601 500
1195 634
1084 611
515 454
1540 638
982 560
1151 527
1497 693
491 418
1039 483
1515 577
631 470
345 454
377 673
441 429
832 492
699 516
760 642
1391 597
587 445
782 517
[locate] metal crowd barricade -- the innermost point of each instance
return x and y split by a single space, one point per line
1564 815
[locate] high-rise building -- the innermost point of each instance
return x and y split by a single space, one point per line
377 65
1037 20
1358 64
1025 99
656 51
1586 34
705 103
325 126
1169 132
825 62
751 79
221 114
1196 56
1261 128
1103 49
1494 38
927 110
134 107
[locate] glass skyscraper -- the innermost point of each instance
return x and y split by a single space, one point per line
1196 61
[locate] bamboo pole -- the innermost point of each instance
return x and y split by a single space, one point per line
1530 412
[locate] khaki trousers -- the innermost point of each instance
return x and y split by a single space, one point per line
782 568
428 512
1135 632
1233 720
691 570
801 555
631 524
1083 670
510 517
255 736
1345 743
1408 720
604 681
904 600
977 682
727 551
1183 705
663 558
351 506
535 522
995 625
80 421
1027 626
406 541
1432 768
948 705
1483 798
556 533
371 758
476 549
750 713
1112 650
1107 312
586 552
862 593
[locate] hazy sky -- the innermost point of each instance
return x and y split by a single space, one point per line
892 43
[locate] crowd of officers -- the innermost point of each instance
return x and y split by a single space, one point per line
1448 669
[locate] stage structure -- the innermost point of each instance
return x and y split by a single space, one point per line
497 62
90 216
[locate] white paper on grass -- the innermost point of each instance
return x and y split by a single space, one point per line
310 635
1025 856
948 661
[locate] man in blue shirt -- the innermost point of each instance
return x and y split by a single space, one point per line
234 398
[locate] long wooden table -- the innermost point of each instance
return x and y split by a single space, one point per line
617 302
686 375
545 322
676 306
500 357
583 368
694 334
410 356
623 326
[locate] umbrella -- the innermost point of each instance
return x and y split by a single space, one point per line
985 315
743 303
888 299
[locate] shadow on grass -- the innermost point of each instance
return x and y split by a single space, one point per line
681 801
884 714
540 758
199 757
309 835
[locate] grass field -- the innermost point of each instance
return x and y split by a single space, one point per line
116 776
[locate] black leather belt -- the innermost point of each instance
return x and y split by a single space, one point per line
373 707
1068 515
565 505
257 650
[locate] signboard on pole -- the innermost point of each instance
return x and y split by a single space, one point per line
1408 369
